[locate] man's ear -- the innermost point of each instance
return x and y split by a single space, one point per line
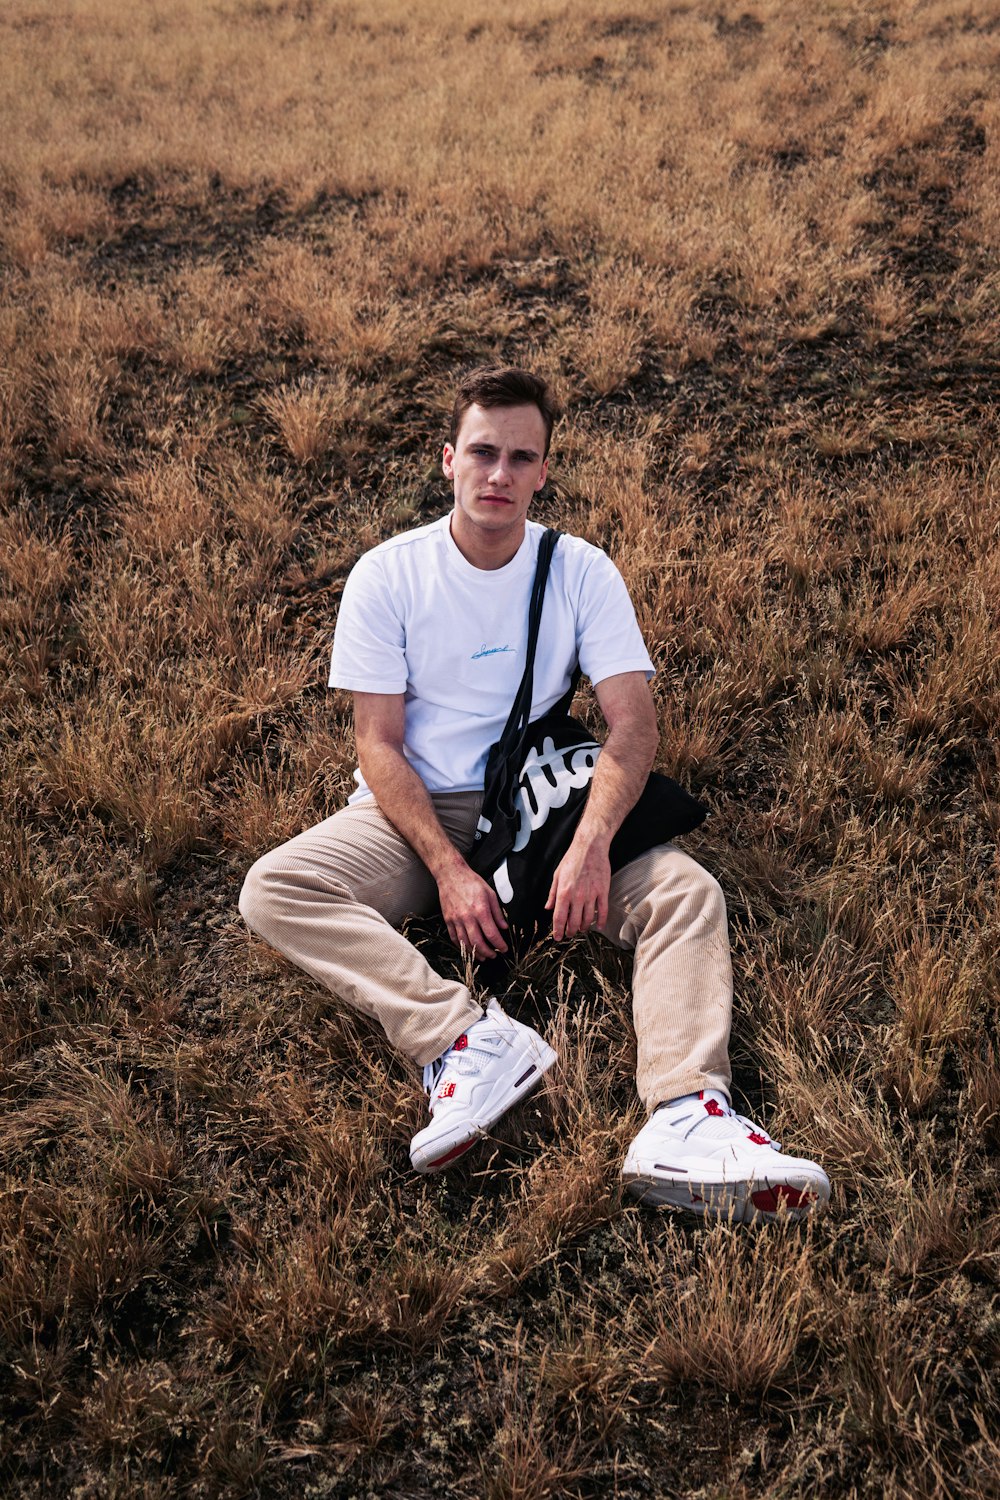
541 478
448 461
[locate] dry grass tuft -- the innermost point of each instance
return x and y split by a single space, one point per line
738 1321
307 418
937 990
529 1459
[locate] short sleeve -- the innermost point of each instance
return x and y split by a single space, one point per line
608 636
369 640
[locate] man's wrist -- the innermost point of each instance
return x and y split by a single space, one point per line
444 862
594 836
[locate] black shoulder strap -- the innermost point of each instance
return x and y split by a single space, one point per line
520 714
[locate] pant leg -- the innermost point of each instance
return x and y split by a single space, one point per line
330 900
671 912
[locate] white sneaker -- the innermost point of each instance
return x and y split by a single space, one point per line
480 1077
697 1153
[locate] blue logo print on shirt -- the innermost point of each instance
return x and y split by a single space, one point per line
485 650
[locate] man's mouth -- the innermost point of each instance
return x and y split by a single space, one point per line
496 499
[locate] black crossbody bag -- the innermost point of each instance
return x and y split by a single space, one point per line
538 776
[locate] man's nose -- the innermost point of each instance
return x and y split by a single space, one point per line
501 470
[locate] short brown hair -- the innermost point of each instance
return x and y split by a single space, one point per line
503 385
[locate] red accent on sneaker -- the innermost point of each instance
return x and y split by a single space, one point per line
758 1139
461 1044
456 1151
767 1199
447 1091
713 1107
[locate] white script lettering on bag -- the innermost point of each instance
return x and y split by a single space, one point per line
547 778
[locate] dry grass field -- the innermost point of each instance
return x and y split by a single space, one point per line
245 248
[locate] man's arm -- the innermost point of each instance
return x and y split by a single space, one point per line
471 907
578 897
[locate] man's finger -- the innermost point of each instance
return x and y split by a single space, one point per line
496 908
588 913
486 921
559 917
471 945
581 912
487 935
601 918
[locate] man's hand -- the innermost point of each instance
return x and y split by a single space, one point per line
470 907
578 896
472 911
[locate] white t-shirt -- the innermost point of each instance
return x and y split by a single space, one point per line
416 618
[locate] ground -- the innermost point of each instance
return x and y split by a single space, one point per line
246 250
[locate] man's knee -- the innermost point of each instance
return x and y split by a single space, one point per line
277 881
709 892
257 894
700 893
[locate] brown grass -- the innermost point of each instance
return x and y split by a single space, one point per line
738 1321
244 251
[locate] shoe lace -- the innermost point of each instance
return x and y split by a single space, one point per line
432 1072
703 1118
753 1129
467 1062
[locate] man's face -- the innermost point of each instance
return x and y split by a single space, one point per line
496 466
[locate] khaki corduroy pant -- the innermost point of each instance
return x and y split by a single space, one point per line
331 899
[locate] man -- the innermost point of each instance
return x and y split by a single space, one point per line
430 640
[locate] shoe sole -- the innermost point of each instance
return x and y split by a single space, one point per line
790 1195
441 1153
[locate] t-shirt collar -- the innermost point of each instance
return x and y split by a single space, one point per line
522 558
